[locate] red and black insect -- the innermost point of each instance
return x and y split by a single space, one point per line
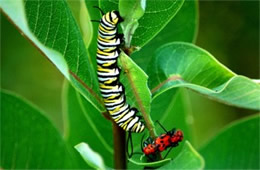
149 147
169 139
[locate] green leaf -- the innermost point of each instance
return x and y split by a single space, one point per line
185 65
131 11
236 147
85 24
135 82
84 123
90 156
182 27
50 26
93 14
157 14
28 138
189 158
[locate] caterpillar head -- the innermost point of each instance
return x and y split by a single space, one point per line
114 18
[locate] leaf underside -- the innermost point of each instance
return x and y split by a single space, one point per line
185 65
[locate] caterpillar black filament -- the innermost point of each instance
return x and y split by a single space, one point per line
108 74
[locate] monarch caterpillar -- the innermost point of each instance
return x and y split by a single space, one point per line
112 90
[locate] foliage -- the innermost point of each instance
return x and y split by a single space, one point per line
33 142
246 148
156 79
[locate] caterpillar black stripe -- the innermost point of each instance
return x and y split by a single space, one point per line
108 74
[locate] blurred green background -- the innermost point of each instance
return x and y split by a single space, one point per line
227 29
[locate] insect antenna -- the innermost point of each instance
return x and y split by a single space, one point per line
99 9
157 121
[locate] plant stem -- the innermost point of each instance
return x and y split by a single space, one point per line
119 147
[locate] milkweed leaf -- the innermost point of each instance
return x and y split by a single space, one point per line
241 154
90 156
50 26
28 138
157 14
185 65
182 27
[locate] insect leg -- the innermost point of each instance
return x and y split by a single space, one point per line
142 142
168 152
151 159
131 142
